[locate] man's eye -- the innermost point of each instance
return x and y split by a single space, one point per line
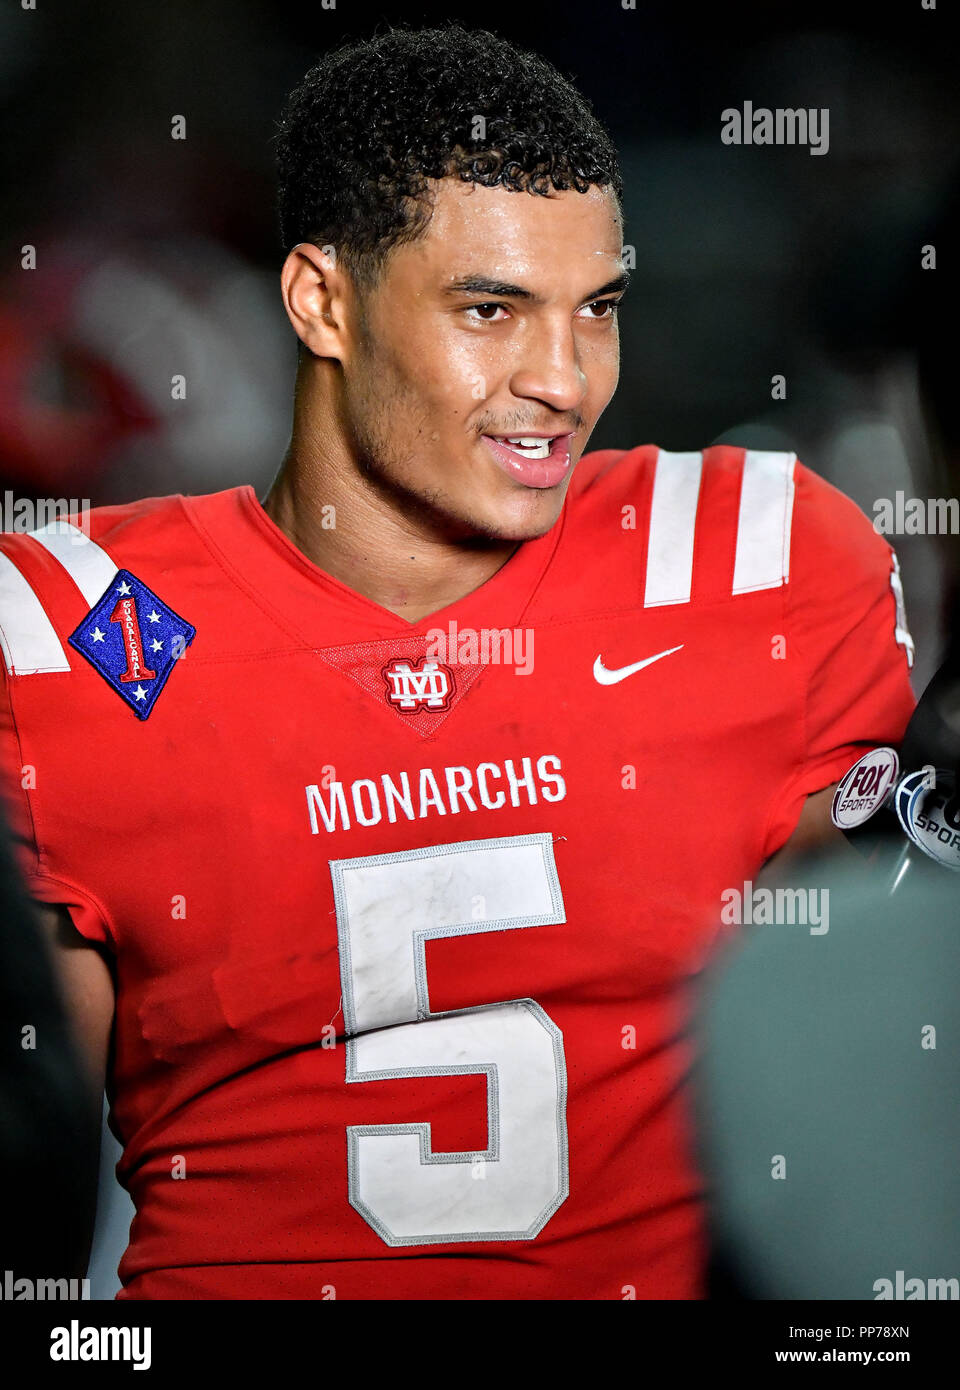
486 312
607 309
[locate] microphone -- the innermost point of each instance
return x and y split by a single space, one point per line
876 802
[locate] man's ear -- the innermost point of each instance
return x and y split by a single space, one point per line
316 292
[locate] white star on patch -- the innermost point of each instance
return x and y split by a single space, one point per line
124 587
156 646
97 635
140 693
154 616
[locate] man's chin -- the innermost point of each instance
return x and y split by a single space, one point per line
513 513
497 515
526 521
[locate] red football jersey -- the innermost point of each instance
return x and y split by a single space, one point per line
405 915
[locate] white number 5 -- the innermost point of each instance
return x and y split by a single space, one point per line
388 905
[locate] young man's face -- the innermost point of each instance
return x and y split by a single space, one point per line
496 324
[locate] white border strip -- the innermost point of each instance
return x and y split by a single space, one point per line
29 642
764 522
673 520
90 568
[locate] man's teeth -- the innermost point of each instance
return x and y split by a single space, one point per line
533 447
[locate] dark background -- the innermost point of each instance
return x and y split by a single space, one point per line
158 256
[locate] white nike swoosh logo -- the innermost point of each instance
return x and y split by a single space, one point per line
605 677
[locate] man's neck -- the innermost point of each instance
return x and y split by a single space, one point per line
342 524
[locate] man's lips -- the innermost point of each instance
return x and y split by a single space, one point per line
528 469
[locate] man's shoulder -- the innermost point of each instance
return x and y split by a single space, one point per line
768 495
73 540
735 463
65 564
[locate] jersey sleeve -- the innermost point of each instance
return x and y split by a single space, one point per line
846 639
21 778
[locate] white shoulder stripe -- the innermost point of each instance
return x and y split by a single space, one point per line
90 568
901 631
673 519
30 644
763 526
27 637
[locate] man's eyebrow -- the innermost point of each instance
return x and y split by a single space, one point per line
480 284
503 289
619 282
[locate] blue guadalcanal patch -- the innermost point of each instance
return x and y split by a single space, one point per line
134 641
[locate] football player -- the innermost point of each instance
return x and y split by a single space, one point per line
386 821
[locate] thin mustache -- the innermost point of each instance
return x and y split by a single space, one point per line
517 431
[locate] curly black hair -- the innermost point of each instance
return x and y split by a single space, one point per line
372 122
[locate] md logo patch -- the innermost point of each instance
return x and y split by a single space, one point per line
134 641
